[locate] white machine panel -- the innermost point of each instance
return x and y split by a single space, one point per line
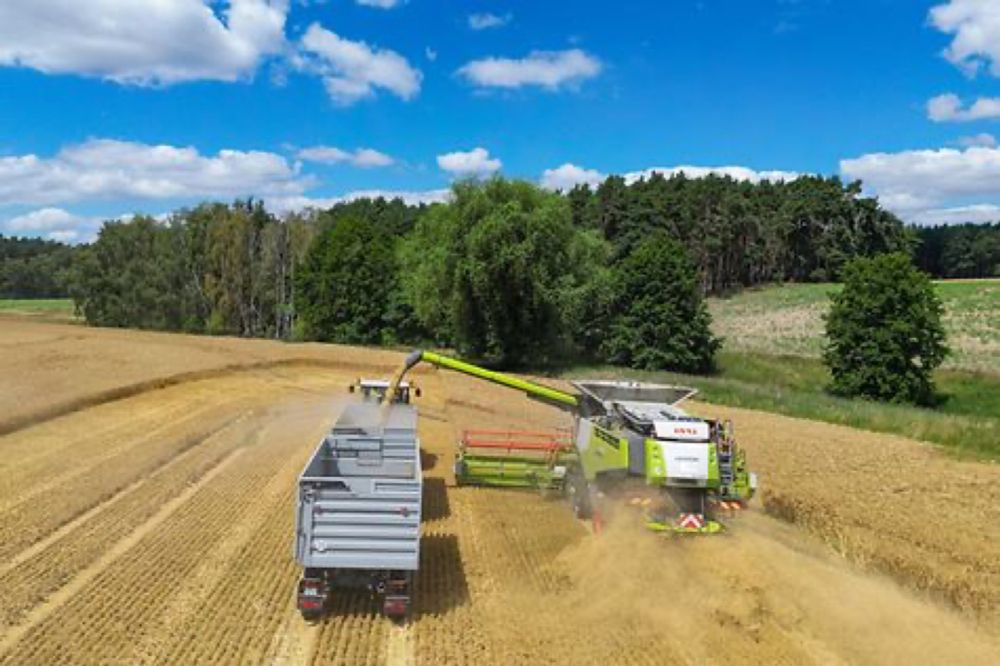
584 430
686 461
682 431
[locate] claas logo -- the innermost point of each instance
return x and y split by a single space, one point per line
685 431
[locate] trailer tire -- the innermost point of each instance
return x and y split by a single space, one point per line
312 617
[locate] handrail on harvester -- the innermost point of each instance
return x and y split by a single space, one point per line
546 394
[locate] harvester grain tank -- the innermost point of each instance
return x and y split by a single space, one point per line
359 504
628 438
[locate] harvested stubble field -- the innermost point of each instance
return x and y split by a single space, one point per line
146 488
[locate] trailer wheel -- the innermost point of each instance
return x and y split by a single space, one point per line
313 595
396 609
396 600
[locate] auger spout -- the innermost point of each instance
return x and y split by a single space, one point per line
547 394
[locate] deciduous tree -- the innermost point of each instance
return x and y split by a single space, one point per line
884 332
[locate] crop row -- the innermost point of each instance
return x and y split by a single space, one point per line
236 622
38 516
34 579
43 459
353 634
47 451
122 615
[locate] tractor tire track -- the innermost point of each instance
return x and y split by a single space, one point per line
295 640
37 572
70 592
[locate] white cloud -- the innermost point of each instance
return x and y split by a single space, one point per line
914 181
548 69
431 54
975 25
281 205
54 224
361 157
61 225
381 4
948 108
64 235
487 20
105 169
368 157
568 176
476 162
734 172
352 71
985 140
977 213
43 219
142 42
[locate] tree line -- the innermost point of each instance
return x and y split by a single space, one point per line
219 269
739 233
959 250
216 268
505 272
34 268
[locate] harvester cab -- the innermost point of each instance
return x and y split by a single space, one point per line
629 439
638 431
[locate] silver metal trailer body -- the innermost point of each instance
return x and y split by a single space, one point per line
359 508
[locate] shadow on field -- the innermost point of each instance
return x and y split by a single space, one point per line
441 583
427 460
435 505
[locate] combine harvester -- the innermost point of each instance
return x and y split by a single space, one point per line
359 504
629 439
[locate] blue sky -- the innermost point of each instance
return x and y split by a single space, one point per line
112 107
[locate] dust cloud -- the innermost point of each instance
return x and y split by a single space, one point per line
760 593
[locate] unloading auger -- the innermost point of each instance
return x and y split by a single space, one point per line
628 438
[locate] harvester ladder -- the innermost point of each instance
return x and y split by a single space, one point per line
726 451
